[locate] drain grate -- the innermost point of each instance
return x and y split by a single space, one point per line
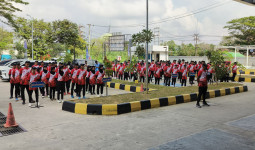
8 131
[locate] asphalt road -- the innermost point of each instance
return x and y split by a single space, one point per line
229 123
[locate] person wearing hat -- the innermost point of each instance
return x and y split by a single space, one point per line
82 73
52 82
184 75
34 76
16 75
202 86
100 84
157 73
41 66
36 65
44 74
74 79
11 79
92 80
24 72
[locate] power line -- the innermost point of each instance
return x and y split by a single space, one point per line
203 9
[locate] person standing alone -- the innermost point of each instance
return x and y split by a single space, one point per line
202 86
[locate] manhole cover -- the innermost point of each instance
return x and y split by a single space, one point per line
8 131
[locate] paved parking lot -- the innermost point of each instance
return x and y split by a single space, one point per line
172 127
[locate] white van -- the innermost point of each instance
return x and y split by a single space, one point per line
6 66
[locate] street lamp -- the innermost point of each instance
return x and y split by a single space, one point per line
32 36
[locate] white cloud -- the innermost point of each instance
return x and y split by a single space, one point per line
125 12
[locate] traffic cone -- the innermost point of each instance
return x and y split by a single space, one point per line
10 120
141 89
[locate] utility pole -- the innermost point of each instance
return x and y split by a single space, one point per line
33 39
156 35
196 38
89 38
146 57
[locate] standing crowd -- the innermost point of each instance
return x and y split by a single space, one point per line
63 79
169 72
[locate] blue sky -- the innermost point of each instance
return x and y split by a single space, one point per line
129 12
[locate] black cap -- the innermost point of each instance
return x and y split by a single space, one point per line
27 62
76 64
18 63
82 64
34 68
14 64
36 61
44 66
61 63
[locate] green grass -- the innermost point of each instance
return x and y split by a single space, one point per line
161 91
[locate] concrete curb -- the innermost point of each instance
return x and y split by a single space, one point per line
244 79
117 109
126 87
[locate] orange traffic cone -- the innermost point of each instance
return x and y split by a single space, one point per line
10 120
141 89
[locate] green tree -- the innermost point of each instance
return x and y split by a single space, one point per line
7 10
242 30
139 38
21 50
6 38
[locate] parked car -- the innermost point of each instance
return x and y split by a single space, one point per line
6 66
4 69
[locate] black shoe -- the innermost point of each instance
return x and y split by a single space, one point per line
11 97
23 103
205 104
198 106
32 101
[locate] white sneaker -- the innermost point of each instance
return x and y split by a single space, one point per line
62 101
29 104
38 104
42 96
98 95
48 96
87 92
59 101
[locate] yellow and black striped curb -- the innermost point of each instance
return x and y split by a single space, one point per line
125 87
117 109
244 79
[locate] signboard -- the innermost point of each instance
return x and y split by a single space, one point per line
192 74
117 43
107 79
174 75
119 58
36 84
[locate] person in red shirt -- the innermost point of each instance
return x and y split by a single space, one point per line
100 84
191 73
174 74
92 80
24 72
142 71
44 74
82 73
167 74
184 72
152 69
87 79
49 66
157 73
113 69
202 84
117 69
11 78
67 79
121 71
34 76
60 76
234 70
16 76
52 82
74 78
